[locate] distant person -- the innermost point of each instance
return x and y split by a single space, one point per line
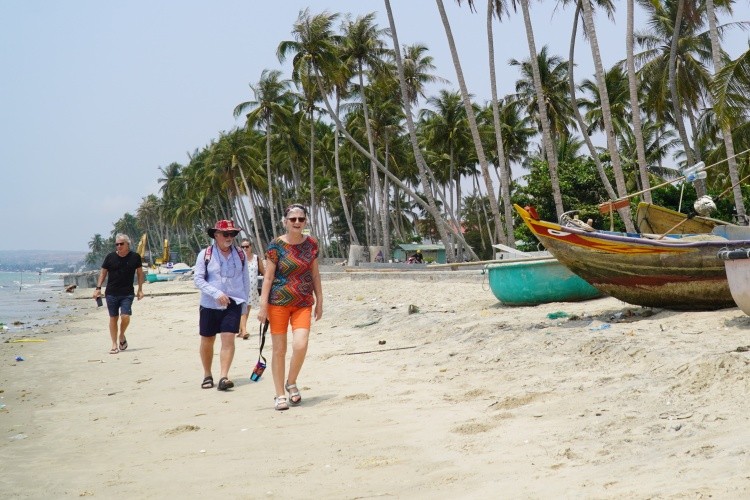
291 286
416 258
254 266
119 270
222 279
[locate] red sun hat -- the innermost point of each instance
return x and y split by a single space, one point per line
223 225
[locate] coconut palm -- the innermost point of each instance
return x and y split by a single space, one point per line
314 49
590 28
577 113
726 132
272 102
472 119
362 47
635 105
547 139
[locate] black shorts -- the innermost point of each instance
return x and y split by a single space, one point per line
213 321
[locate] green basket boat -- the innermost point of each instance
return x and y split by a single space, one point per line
528 282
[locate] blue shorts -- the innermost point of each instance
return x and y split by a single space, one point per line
213 321
120 305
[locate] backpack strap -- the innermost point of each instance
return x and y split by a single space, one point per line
210 251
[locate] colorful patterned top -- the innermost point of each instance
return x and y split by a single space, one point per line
293 280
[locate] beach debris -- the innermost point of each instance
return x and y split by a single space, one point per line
181 429
41 300
18 437
743 348
413 309
17 323
367 323
19 358
603 326
381 342
70 288
557 315
381 350
17 341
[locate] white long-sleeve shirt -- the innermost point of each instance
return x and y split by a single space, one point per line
226 275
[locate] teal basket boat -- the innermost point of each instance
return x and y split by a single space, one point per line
527 282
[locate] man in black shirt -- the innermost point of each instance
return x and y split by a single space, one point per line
119 269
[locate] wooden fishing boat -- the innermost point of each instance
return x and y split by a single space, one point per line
681 272
737 263
650 218
532 281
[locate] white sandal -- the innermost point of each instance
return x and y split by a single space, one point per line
293 393
280 403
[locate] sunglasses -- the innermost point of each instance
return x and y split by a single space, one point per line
245 246
296 219
120 244
227 234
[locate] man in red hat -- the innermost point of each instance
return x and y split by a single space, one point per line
221 277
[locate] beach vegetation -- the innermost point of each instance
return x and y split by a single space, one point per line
383 148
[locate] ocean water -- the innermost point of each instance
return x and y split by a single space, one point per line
29 300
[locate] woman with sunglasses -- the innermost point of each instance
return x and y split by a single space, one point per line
254 266
291 286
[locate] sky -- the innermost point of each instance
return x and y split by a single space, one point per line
96 96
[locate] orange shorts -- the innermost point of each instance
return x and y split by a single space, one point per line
280 317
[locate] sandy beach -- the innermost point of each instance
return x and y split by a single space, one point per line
418 387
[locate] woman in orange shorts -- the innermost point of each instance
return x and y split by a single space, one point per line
291 286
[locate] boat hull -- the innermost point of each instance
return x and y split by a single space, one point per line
537 282
671 273
738 277
153 278
660 220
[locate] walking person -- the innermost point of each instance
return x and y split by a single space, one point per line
291 286
119 270
254 266
222 279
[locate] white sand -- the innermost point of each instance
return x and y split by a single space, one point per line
473 400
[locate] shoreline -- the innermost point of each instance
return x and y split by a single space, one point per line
465 398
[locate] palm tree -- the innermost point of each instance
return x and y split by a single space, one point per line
314 49
272 102
577 113
726 131
731 94
542 106
362 45
430 205
635 106
470 115
588 22
498 7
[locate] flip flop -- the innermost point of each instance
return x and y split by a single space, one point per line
224 384
207 383
114 350
124 345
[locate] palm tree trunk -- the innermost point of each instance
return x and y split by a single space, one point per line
546 133
312 168
635 106
622 190
504 168
269 178
342 194
500 233
577 112
734 176
679 122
